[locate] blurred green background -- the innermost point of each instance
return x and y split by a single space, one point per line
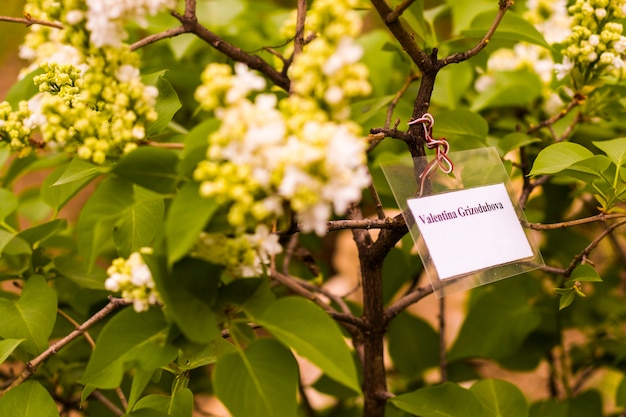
11 35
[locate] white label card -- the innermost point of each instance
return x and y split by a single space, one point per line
469 230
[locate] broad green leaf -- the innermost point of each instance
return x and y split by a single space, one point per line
129 340
451 84
188 290
259 381
141 379
16 254
138 225
74 270
589 170
167 102
146 412
508 319
79 170
39 233
178 405
7 347
552 408
182 228
304 327
500 398
17 167
196 144
365 110
445 400
464 12
463 127
24 89
28 399
615 149
413 345
8 203
511 88
58 195
31 316
97 219
514 141
583 273
558 157
194 356
513 27
152 168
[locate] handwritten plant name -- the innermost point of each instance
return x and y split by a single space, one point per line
460 212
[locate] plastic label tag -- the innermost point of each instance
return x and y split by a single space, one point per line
466 225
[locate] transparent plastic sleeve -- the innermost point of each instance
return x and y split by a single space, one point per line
467 225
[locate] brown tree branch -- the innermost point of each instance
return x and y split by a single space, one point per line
404 302
169 33
585 252
503 6
190 23
602 217
29 21
298 41
31 367
397 12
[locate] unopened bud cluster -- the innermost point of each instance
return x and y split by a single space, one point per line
92 102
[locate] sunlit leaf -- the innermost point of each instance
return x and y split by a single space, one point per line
151 168
445 400
500 398
558 157
7 347
259 381
28 399
31 316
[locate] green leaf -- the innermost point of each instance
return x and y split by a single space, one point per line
16 253
152 168
513 27
413 345
461 126
7 347
552 408
188 290
139 224
167 103
566 298
79 170
129 340
31 316
509 321
182 228
558 157
8 203
514 141
39 233
97 219
196 144
304 327
583 273
75 271
511 88
451 84
146 412
58 195
445 400
28 399
260 381
500 398
24 89
615 149
178 405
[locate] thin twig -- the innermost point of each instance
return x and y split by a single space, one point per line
165 145
602 217
504 5
169 33
31 367
585 252
77 325
404 302
397 12
552 120
443 363
397 97
29 21
107 403
298 41
297 287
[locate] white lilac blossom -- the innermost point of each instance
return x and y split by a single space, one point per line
133 279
